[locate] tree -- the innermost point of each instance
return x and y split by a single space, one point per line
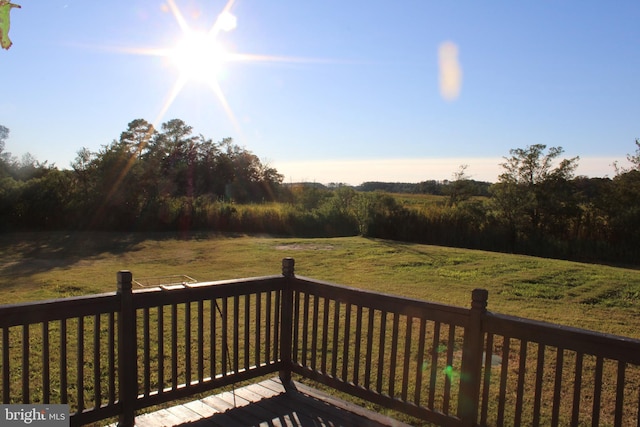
634 159
460 188
137 136
5 157
171 159
533 194
45 200
4 135
530 166
623 208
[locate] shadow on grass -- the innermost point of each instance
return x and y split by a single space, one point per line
27 253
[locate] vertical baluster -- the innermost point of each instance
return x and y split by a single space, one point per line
488 365
346 342
276 327
394 354
258 343
146 352
597 392
420 361
407 358
557 387
619 393
80 365
356 350
212 336
448 369
520 387
504 371
381 350
537 397
314 333
25 363
97 386
325 335
187 343
433 374
296 330
225 325
305 329
160 349
369 357
174 346
267 330
46 389
200 341
63 361
335 339
247 322
6 383
111 349
577 388
236 334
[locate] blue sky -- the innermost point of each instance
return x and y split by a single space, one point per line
343 91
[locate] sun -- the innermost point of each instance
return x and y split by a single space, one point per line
199 57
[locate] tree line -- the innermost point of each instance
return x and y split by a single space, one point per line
146 179
170 179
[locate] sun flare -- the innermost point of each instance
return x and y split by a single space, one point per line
201 57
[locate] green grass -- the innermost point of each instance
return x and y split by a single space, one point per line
36 266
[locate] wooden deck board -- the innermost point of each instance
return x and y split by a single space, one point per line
267 404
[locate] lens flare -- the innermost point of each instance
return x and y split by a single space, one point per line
227 21
450 71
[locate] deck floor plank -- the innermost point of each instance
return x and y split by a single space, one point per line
184 413
277 401
206 411
268 404
256 410
266 409
161 418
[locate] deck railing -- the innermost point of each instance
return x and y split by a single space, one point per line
114 354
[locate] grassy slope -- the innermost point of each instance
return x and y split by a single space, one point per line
35 266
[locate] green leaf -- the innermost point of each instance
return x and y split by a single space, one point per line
5 8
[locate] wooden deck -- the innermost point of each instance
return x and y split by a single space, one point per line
267 404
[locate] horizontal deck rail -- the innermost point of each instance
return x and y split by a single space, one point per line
114 354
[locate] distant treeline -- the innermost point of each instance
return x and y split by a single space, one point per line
169 179
438 188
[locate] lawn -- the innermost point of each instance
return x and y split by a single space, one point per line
36 266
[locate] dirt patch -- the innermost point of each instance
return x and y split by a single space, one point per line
305 247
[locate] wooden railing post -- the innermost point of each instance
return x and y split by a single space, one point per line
286 321
471 370
127 360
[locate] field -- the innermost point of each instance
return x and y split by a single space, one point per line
37 266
